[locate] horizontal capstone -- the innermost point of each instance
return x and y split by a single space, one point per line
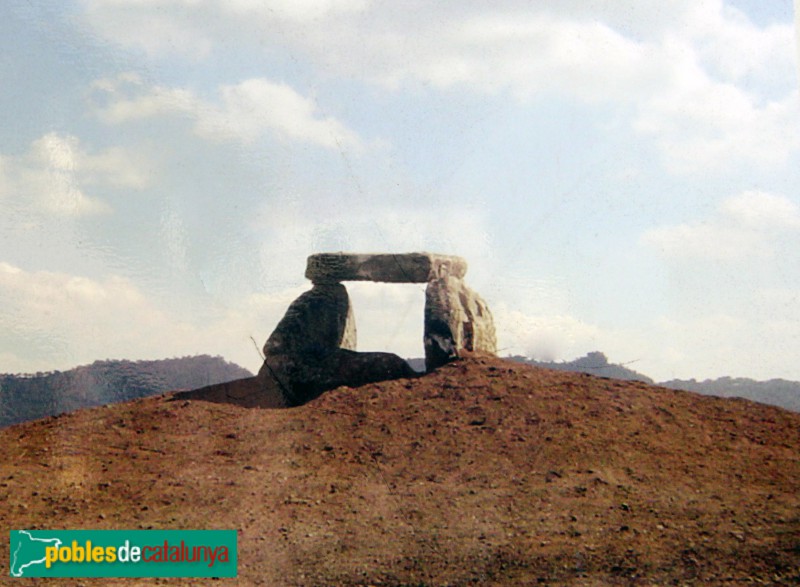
386 268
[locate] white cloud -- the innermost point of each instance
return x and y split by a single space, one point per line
758 341
745 226
709 241
154 26
762 210
735 49
711 88
296 10
254 106
245 111
731 290
62 316
54 175
64 320
389 317
193 27
702 124
141 104
546 337
528 54
708 341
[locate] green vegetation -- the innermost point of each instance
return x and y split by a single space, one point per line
29 397
595 363
777 392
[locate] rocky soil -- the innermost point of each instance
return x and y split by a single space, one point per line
486 472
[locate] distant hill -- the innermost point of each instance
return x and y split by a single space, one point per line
594 363
777 392
28 397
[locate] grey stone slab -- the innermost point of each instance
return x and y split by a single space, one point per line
387 268
312 349
319 321
456 318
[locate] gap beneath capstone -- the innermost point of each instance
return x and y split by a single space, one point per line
388 318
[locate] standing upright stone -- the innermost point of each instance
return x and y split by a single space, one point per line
316 325
455 318
313 347
317 322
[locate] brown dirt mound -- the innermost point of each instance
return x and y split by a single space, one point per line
484 473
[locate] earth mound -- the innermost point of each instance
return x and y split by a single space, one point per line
486 472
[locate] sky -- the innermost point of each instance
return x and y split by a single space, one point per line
620 176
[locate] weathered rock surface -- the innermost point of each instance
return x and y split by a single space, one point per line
455 318
317 322
251 392
316 325
313 347
388 268
300 379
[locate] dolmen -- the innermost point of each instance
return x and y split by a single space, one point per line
313 347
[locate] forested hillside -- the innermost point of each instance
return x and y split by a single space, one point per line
594 363
26 397
778 392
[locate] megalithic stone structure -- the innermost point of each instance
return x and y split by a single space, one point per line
456 318
313 347
386 268
319 320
